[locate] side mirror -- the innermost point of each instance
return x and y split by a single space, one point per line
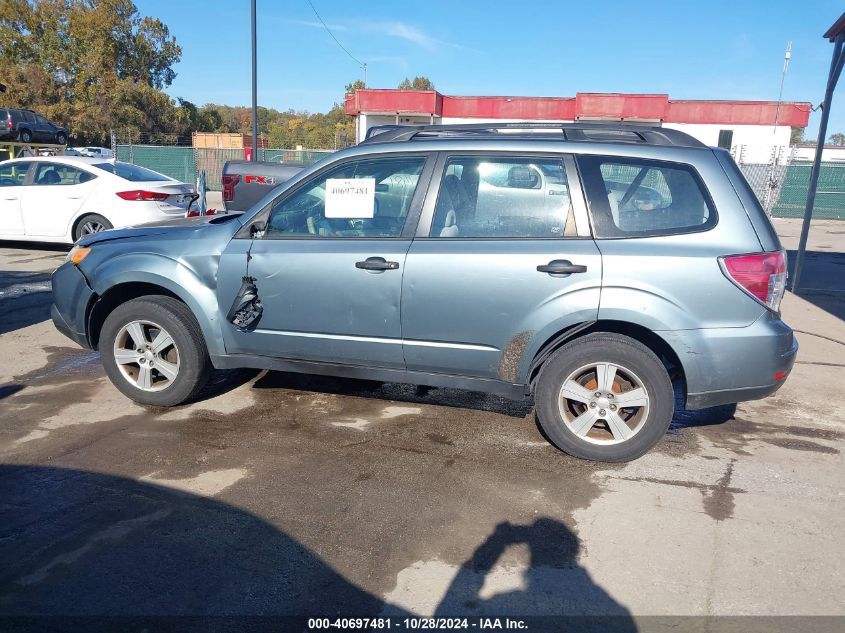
256 229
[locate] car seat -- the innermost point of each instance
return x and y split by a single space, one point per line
49 177
450 227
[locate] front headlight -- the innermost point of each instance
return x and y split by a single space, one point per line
77 254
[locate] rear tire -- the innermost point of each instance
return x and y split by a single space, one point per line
588 418
25 136
90 224
171 375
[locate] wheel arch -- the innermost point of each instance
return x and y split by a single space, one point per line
104 304
125 285
647 337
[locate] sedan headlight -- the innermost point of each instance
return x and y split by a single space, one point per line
77 254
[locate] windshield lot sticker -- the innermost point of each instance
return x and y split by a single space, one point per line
350 197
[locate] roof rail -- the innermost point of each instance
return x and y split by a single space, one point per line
609 131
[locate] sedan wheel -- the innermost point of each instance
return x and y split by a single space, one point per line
89 224
92 226
146 355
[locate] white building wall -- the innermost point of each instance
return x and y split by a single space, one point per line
758 141
828 153
765 135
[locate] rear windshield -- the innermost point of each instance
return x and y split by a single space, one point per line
133 173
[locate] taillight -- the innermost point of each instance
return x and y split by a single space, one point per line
9 124
194 213
762 275
140 194
229 182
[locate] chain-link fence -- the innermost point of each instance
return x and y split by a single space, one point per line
185 163
781 182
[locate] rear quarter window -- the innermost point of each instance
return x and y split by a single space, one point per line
632 197
133 173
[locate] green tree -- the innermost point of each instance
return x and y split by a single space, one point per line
796 135
91 65
355 85
419 83
837 139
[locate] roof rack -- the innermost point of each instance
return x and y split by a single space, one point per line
607 132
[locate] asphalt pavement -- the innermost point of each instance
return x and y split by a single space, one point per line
285 494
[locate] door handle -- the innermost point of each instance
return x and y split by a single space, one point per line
9 198
74 197
561 267
377 263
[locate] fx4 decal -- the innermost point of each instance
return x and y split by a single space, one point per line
260 180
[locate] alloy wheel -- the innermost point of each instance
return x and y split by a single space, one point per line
603 403
146 355
92 226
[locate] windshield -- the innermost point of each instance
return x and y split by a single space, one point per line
133 173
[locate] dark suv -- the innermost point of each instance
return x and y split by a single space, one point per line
26 126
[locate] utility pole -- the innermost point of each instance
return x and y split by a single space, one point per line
365 74
254 87
772 183
786 59
835 34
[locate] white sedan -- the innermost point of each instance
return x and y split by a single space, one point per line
62 198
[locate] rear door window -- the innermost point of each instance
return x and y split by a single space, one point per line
59 174
637 197
502 197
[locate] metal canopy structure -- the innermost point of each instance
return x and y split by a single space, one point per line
835 34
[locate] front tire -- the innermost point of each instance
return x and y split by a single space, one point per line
604 397
61 138
90 224
153 351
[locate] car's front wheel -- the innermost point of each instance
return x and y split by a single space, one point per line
604 397
153 351
61 138
91 223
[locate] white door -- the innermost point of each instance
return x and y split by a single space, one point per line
56 194
12 176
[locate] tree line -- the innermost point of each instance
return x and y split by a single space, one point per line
95 66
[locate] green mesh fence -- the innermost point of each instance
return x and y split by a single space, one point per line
830 196
176 162
786 200
185 163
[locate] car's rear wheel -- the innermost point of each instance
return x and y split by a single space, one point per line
25 136
604 397
89 224
61 138
153 351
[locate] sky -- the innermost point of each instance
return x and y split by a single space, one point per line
687 49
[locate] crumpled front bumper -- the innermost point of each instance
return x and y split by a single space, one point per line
71 303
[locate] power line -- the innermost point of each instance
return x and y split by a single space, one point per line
337 41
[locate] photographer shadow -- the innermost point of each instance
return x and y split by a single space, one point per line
85 551
552 583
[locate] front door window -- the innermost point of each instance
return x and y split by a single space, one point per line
362 199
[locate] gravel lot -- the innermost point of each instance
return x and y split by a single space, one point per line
279 493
